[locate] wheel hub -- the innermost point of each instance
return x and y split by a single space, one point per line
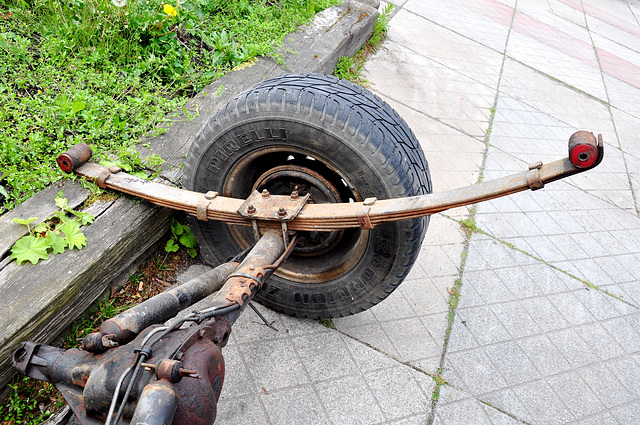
285 179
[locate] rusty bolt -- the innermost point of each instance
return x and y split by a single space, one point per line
265 193
108 341
251 210
252 268
189 373
282 212
294 194
210 195
201 333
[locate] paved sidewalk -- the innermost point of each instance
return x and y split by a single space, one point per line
547 329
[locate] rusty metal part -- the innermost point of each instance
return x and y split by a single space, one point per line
126 325
157 404
251 273
74 157
533 178
324 217
88 381
584 150
272 207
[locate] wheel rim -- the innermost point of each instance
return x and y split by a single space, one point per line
319 256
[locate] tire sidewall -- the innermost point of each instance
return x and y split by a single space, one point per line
225 143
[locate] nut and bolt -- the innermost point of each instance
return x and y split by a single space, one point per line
201 333
294 194
265 193
251 210
282 212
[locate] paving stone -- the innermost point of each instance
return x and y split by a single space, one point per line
411 339
350 401
466 411
294 405
398 392
573 348
575 394
542 403
605 385
468 19
475 373
335 361
627 414
246 410
274 364
544 313
512 363
547 359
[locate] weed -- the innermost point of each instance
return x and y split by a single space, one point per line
29 402
327 323
181 234
349 67
54 235
469 225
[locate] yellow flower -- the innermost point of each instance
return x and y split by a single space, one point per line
170 10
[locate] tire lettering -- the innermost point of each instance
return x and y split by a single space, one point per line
358 285
231 146
318 299
271 291
299 298
368 274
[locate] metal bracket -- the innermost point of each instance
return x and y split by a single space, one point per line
245 282
363 217
533 177
272 207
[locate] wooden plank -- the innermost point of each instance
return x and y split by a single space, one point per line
41 205
40 301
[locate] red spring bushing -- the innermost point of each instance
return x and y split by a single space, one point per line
74 157
583 149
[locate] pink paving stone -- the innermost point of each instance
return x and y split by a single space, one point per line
619 68
494 10
554 38
604 16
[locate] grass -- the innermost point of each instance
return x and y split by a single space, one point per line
349 67
89 71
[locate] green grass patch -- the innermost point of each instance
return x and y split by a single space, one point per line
107 72
327 323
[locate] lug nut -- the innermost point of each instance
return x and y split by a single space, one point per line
265 193
282 212
251 210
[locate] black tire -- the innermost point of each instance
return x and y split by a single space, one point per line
341 143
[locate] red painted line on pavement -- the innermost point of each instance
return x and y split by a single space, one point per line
549 36
555 39
604 16
619 68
